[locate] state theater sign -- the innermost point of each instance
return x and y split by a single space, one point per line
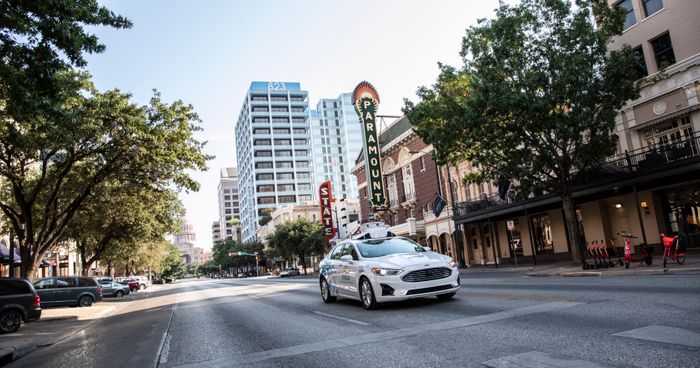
326 198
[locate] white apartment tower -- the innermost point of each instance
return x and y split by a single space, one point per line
273 149
228 204
337 140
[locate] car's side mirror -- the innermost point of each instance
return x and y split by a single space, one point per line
427 249
346 258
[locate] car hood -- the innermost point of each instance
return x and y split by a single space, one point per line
402 260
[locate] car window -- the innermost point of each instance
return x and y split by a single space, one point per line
84 281
65 282
335 254
383 247
349 249
44 284
13 287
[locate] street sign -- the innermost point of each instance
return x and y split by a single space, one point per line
511 225
366 102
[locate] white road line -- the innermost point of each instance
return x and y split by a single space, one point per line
375 337
341 318
165 340
166 350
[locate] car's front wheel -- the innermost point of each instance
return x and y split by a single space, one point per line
445 296
326 292
85 301
119 294
143 287
367 294
10 321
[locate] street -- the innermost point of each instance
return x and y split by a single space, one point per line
497 319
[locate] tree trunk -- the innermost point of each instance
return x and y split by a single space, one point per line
302 260
29 262
571 226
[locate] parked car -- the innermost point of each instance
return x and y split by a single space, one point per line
144 282
19 302
115 289
386 269
289 272
70 291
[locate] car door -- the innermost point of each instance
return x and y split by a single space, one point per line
108 288
331 266
348 272
66 290
46 290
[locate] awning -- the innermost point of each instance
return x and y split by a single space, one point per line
669 116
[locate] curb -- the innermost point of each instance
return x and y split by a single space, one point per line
13 353
639 272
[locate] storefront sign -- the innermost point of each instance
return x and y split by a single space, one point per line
326 198
366 102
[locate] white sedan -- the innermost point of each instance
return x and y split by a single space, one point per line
388 269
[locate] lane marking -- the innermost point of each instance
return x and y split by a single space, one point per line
537 359
341 318
166 349
669 335
165 339
536 298
329 344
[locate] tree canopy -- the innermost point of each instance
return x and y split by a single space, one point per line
536 99
300 238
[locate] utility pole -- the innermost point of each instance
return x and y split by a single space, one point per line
458 231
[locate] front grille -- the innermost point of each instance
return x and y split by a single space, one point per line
427 274
429 290
387 290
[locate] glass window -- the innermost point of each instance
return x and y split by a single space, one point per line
266 200
349 249
630 20
65 282
285 187
264 177
287 199
383 247
641 63
336 252
44 284
263 165
663 51
652 6
285 176
263 153
542 235
283 164
86 281
281 130
8 287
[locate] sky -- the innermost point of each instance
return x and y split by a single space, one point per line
206 53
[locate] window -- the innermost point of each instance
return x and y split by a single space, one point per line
264 177
302 163
259 109
408 186
227 190
663 51
280 120
263 165
259 98
337 251
304 187
641 66
281 130
227 198
285 187
542 235
266 200
261 120
266 188
261 131
630 20
263 153
65 282
261 142
283 164
304 198
393 191
297 109
285 176
301 152
652 6
278 98
422 163
299 131
227 211
287 199
282 142
283 153
298 120
300 142
303 175
227 204
280 109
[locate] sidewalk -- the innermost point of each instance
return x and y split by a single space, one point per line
692 264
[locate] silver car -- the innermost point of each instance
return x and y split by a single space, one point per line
386 269
115 289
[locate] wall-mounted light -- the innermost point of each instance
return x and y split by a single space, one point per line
618 205
644 204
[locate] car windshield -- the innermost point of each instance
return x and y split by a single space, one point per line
383 247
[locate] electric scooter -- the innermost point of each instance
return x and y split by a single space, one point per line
646 251
673 249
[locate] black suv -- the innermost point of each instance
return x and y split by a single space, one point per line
18 302
69 290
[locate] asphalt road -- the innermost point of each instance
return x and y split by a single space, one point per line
497 319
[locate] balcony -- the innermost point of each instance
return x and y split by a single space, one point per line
408 200
428 214
617 171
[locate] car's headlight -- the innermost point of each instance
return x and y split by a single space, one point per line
452 264
384 271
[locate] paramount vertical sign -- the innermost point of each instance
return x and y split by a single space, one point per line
366 102
326 197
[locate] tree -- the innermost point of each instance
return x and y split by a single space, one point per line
536 100
117 216
171 264
299 237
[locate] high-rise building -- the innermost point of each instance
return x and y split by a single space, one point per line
273 149
215 232
337 140
228 204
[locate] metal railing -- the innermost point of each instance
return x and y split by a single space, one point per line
647 159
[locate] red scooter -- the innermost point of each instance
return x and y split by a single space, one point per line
646 251
673 249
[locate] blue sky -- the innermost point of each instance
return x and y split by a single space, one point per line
206 53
